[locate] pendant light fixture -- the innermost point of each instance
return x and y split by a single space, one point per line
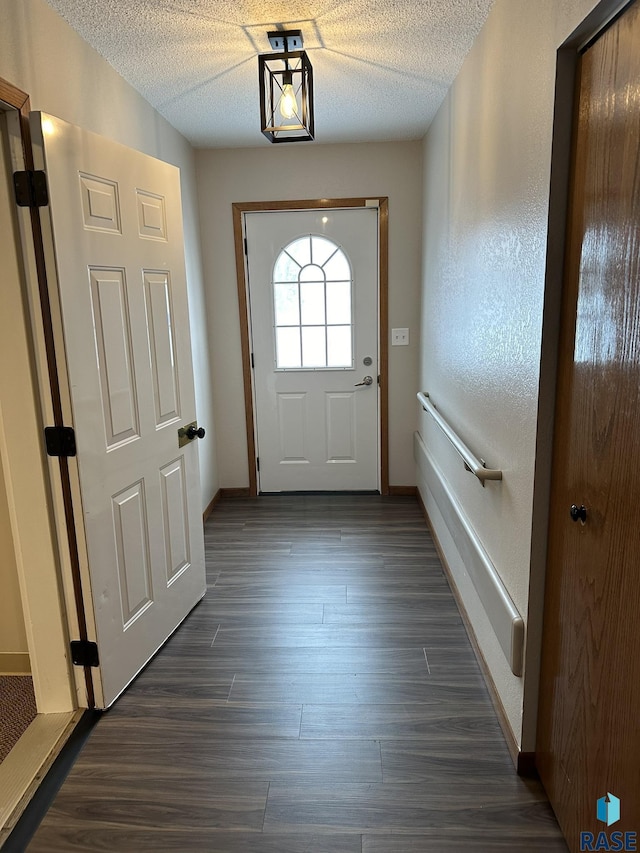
286 89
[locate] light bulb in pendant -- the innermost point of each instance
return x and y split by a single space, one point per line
288 103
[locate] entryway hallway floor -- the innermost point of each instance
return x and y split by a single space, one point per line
323 697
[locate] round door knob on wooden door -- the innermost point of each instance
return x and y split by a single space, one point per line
195 432
578 513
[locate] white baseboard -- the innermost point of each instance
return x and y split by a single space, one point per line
15 663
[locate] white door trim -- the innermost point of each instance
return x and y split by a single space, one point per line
239 209
47 588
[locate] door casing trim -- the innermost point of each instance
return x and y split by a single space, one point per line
15 101
239 209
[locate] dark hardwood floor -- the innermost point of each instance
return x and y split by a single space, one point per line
322 698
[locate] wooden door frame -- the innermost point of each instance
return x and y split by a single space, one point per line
67 577
566 102
239 209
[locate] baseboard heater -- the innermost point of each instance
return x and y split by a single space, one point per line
506 621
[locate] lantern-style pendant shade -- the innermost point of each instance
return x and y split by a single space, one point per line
286 91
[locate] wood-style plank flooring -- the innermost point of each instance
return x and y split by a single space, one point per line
322 698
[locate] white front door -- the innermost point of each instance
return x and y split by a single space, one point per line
313 292
116 221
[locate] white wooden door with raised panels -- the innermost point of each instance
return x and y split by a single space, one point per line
117 230
313 291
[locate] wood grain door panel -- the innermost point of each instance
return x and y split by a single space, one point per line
589 731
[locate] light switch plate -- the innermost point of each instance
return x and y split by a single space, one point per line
399 337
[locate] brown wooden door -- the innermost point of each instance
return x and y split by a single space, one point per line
589 723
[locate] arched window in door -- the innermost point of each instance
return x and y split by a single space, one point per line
312 296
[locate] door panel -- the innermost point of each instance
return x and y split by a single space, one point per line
113 345
315 429
341 426
115 216
589 738
163 358
292 419
176 521
131 537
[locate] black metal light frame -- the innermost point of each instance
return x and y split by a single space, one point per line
275 70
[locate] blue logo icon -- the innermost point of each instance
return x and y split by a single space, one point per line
609 809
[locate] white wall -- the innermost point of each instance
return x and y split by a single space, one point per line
43 56
486 195
309 171
13 637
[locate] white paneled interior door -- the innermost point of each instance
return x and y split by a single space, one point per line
313 292
116 223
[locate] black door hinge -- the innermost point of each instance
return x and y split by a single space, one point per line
258 462
30 189
84 653
253 364
246 248
60 441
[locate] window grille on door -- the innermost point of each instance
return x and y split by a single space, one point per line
312 297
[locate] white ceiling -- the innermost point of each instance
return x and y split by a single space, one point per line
381 67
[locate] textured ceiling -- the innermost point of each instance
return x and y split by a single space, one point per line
381 67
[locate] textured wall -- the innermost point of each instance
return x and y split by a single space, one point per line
43 56
298 172
486 191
